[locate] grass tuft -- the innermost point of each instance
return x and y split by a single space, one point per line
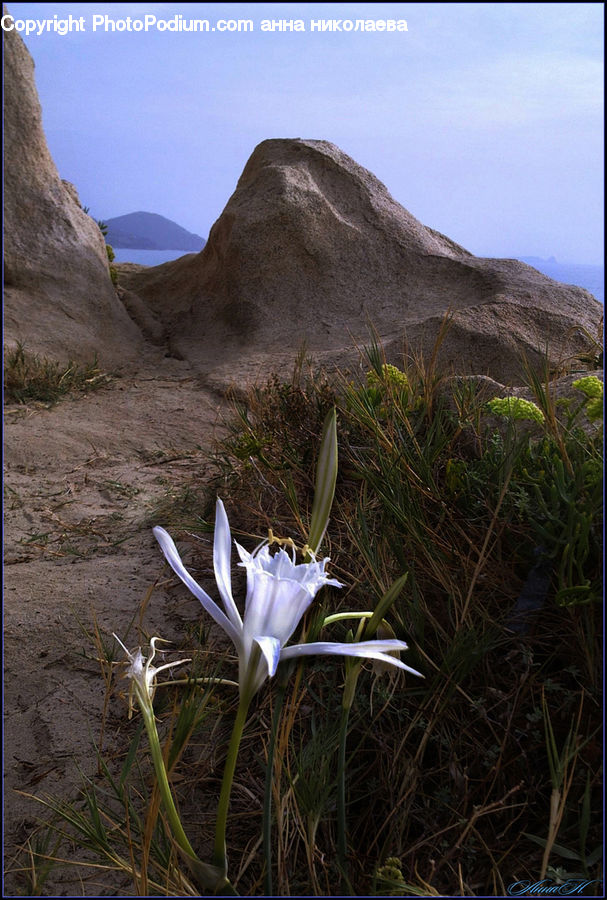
29 377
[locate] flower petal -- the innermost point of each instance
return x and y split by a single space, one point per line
270 647
367 649
310 575
174 560
274 606
128 652
222 556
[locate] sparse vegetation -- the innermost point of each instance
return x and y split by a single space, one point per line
489 771
103 228
29 377
111 257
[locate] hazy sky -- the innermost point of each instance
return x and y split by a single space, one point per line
485 120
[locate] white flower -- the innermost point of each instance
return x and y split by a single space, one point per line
142 673
279 591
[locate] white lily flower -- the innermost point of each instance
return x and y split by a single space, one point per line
142 673
279 591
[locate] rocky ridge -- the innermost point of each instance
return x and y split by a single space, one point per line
311 247
59 298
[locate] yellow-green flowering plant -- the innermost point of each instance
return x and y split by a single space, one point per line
592 387
516 409
381 385
390 375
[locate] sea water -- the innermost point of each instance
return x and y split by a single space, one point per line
590 277
147 257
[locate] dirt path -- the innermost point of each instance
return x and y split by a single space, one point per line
81 479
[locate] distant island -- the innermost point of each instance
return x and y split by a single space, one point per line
533 260
591 277
149 231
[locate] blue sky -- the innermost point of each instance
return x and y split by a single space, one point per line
485 120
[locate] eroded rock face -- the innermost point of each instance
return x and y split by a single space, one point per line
312 246
59 299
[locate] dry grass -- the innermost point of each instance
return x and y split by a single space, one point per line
31 378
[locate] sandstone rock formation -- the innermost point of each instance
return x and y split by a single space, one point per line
59 299
312 246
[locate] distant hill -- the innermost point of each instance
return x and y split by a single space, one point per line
149 231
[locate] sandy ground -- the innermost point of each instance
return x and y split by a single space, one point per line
81 479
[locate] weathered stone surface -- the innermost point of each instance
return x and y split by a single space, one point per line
59 299
151 329
312 246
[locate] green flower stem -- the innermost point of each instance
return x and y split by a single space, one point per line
267 799
220 852
186 682
346 706
163 782
207 877
341 788
339 617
